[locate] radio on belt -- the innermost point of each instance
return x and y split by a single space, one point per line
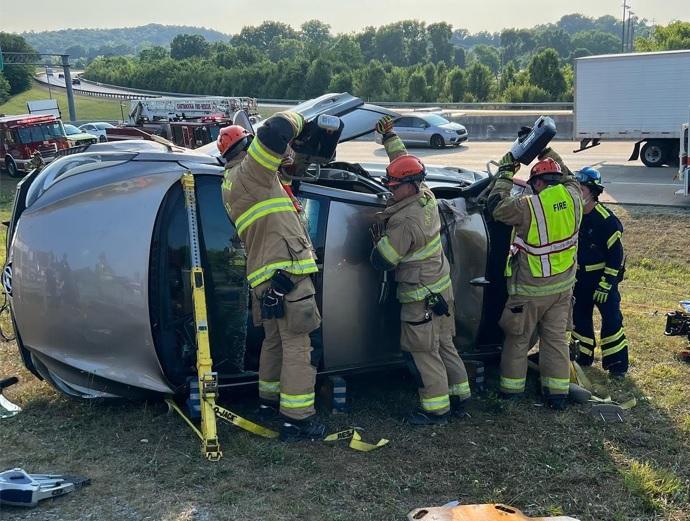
526 147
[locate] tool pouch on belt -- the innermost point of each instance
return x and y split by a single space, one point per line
416 328
301 311
272 305
513 318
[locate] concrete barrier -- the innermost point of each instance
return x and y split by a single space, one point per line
496 126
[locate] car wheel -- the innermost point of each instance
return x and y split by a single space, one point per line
11 167
652 154
437 141
102 139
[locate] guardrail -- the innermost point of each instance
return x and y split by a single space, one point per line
146 94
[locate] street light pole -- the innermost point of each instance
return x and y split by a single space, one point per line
50 92
68 86
625 8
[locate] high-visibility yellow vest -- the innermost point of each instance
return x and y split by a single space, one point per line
551 243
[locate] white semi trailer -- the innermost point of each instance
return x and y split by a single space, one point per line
641 97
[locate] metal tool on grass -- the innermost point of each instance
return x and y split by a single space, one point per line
7 408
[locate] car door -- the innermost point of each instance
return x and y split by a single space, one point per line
418 130
403 127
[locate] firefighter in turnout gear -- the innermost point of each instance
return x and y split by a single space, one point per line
540 271
280 260
407 239
600 260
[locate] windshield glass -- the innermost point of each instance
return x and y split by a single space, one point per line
434 119
44 132
71 129
103 126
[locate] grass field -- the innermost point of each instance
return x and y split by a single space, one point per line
87 108
145 464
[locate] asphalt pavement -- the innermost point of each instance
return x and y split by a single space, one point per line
85 85
625 181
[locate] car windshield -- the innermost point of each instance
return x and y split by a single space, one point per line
44 132
71 129
434 119
103 126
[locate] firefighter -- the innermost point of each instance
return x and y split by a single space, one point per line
409 241
280 261
600 260
541 272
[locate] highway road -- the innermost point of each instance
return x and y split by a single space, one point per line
85 85
624 181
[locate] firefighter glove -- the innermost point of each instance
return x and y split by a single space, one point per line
601 294
384 125
507 166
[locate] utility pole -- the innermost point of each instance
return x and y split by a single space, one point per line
625 8
50 92
68 86
631 31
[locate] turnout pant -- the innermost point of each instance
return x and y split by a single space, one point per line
549 316
614 345
427 340
286 373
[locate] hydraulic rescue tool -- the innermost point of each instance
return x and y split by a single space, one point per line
17 488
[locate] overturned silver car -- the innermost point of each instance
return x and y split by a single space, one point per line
98 266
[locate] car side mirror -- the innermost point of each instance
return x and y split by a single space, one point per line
480 281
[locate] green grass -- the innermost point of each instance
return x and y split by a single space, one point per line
87 108
145 463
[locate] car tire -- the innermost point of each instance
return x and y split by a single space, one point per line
102 139
653 154
437 141
11 167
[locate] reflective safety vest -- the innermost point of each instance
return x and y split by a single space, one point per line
551 243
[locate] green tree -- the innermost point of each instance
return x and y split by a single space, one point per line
417 87
284 49
261 36
487 56
480 81
341 82
4 89
674 36
367 43
346 50
390 44
525 94
545 72
597 42
18 76
555 38
371 84
189 46
440 48
155 53
508 77
459 58
316 34
318 78
397 84
456 84
416 41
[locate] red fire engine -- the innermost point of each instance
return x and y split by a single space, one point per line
21 136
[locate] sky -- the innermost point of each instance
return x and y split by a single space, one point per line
229 16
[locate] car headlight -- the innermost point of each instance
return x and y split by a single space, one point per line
447 131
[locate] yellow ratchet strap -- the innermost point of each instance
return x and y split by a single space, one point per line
243 423
355 438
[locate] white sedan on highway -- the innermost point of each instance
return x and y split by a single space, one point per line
97 129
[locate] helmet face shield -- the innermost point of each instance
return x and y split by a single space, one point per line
240 146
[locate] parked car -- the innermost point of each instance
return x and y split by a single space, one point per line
78 137
428 129
97 129
98 248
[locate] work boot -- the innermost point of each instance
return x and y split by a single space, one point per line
511 397
557 402
584 360
420 417
457 407
267 411
296 430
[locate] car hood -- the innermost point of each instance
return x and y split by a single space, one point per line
359 118
452 126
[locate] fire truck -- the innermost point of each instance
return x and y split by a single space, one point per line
21 136
187 122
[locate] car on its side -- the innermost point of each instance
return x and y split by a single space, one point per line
78 137
430 129
97 128
99 265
